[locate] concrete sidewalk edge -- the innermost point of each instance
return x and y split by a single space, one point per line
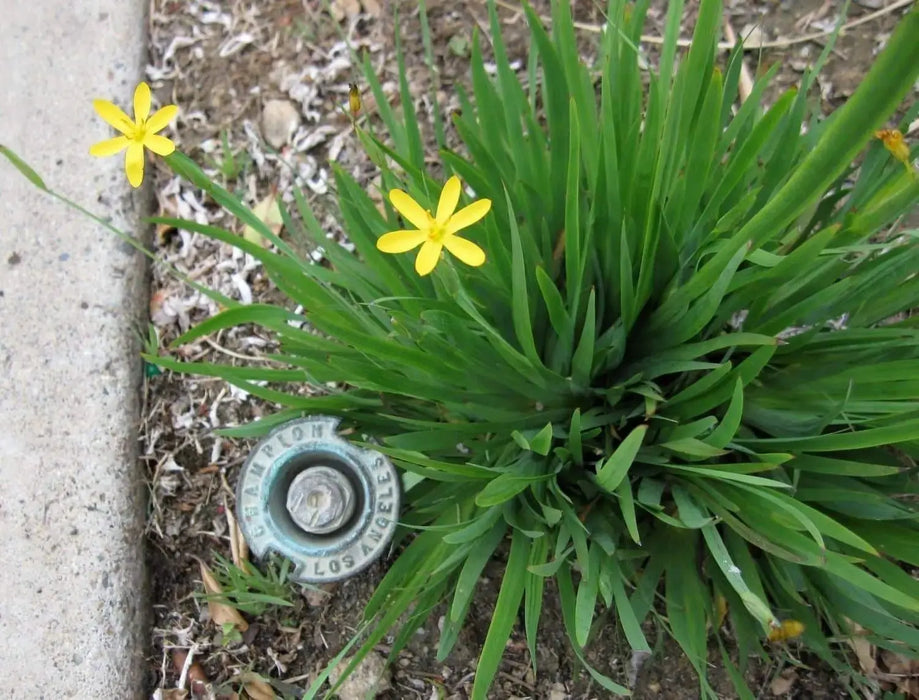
74 612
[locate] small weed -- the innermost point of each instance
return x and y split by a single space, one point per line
230 165
250 590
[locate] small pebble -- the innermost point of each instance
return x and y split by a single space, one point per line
369 678
280 120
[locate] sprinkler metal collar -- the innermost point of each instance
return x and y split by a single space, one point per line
328 506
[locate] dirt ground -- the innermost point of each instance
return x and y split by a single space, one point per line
222 63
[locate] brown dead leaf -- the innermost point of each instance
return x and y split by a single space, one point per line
783 683
372 8
238 546
864 650
269 212
255 687
902 671
221 613
897 663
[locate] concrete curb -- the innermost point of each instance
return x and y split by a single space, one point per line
73 607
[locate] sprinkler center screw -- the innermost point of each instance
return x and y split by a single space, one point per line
320 500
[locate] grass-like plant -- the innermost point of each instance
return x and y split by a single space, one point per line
684 384
251 590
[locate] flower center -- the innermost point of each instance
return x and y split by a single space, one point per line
435 231
139 132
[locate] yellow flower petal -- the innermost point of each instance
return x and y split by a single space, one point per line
467 216
427 257
449 198
400 241
109 147
895 143
161 118
134 164
354 100
467 251
788 629
141 102
159 144
410 209
114 116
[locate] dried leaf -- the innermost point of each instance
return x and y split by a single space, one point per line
899 664
783 683
238 546
902 671
864 650
255 687
221 613
269 212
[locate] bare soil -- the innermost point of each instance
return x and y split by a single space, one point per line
222 62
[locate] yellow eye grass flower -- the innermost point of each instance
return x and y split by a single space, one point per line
896 144
137 133
354 100
788 629
434 233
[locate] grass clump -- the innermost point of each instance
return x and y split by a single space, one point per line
684 382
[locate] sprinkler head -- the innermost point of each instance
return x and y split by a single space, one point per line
328 506
320 500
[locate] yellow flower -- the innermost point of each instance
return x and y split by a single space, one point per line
895 143
137 133
354 100
788 629
434 233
